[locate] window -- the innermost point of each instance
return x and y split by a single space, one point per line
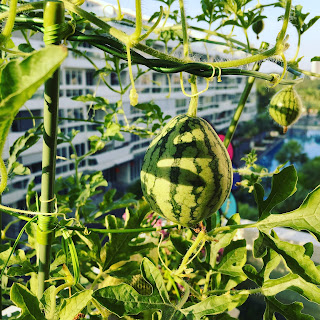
35 167
90 78
181 103
73 77
135 167
110 174
25 124
114 79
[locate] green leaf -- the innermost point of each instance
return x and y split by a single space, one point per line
124 300
290 311
75 304
306 217
118 247
292 282
27 302
153 276
222 239
19 258
215 305
48 297
283 186
23 143
19 80
108 204
316 58
230 267
295 257
126 271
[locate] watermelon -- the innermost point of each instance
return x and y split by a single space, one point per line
186 174
285 107
257 27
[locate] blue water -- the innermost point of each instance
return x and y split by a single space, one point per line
309 139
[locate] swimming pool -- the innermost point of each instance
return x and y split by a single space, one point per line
309 139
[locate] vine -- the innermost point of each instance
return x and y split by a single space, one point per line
189 272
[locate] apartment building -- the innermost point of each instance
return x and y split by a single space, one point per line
120 161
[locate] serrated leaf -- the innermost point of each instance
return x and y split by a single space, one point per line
215 305
283 186
233 259
19 81
222 240
124 300
126 271
48 296
27 302
23 143
75 304
306 217
292 282
154 277
295 257
19 258
118 248
290 311
229 270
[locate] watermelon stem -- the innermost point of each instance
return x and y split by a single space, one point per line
193 105
199 241
229 228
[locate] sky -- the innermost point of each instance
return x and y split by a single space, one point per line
310 41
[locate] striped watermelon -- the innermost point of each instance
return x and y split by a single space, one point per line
285 107
187 173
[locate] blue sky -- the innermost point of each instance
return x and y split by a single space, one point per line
310 44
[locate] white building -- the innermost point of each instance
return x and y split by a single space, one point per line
315 67
120 161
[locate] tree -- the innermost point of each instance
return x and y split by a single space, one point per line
291 152
309 173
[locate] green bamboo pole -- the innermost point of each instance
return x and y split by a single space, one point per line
0 279
53 16
242 102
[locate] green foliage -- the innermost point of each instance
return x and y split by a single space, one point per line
124 300
25 300
309 173
118 264
291 151
247 212
18 83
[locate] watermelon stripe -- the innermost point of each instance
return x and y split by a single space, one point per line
285 107
187 173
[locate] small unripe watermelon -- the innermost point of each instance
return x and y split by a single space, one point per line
187 173
285 107
257 27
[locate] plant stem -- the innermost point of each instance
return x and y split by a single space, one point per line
200 238
193 105
53 14
6 33
232 227
283 30
184 29
242 103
